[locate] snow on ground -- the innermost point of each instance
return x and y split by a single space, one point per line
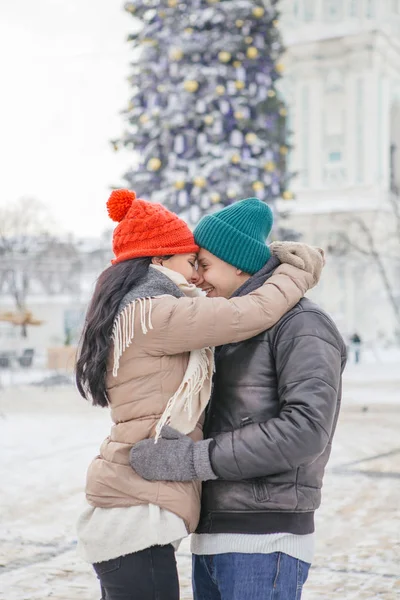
48 436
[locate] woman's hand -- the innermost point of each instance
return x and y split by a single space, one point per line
305 257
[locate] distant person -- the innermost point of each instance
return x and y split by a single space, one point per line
146 353
356 345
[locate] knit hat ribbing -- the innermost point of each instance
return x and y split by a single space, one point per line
146 228
237 234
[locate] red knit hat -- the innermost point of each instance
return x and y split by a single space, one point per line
146 228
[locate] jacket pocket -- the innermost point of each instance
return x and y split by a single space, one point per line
107 566
260 489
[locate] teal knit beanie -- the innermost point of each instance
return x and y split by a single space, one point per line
237 234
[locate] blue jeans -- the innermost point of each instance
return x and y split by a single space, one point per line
235 576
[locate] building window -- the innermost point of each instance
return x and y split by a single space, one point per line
369 9
335 156
359 109
353 8
305 134
309 10
333 10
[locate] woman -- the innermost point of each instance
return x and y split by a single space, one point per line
146 353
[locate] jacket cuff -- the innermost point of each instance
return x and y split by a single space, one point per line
201 460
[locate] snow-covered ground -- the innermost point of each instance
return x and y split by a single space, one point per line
48 436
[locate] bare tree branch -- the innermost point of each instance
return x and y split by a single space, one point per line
23 230
370 250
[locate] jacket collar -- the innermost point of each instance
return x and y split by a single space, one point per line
258 279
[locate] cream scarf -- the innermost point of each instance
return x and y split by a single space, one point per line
185 407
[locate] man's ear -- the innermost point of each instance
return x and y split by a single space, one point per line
239 272
156 260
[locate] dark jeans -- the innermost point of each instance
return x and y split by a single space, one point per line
236 576
150 574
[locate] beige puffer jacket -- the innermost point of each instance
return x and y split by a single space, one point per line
151 369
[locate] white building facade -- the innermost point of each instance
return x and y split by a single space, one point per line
342 86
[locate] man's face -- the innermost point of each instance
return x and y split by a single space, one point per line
217 277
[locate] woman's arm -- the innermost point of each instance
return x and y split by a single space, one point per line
183 324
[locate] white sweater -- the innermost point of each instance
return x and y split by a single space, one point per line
106 533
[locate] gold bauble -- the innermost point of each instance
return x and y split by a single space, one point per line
279 67
176 54
220 89
237 64
251 138
239 84
224 56
131 106
144 118
154 164
208 119
191 85
258 186
283 150
212 1
252 52
162 14
275 23
283 112
215 197
269 166
200 182
189 30
248 39
287 195
271 94
235 159
238 115
161 88
179 184
172 3
130 8
258 12
149 41
239 23
231 193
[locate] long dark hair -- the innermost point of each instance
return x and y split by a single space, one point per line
111 287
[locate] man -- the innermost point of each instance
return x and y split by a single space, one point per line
269 427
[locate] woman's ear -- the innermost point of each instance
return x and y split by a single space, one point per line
156 260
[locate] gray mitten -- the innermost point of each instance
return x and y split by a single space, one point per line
175 457
302 256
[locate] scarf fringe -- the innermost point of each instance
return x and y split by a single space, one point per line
197 372
124 327
199 368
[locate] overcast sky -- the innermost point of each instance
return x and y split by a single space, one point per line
63 69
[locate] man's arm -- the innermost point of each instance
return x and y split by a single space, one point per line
308 356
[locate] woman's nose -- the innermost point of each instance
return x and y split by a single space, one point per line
197 278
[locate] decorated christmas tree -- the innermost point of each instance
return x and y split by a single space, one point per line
205 117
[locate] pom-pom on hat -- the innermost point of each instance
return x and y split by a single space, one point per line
146 228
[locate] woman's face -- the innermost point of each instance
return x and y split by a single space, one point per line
185 264
216 277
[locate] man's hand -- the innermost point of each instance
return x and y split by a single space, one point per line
175 457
